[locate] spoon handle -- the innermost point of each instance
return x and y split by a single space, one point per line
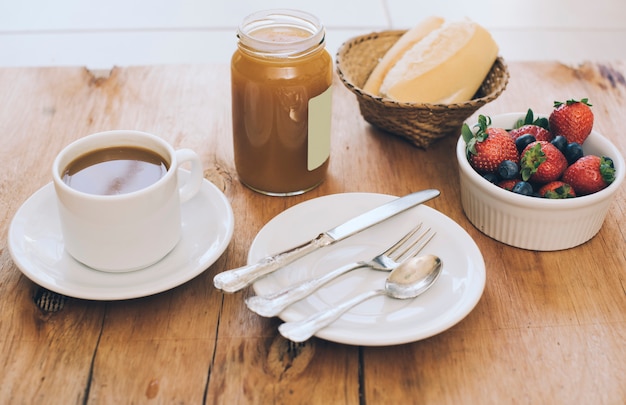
273 304
300 331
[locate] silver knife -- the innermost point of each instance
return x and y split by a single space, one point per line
236 279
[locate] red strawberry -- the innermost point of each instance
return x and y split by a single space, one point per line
572 119
557 190
540 134
507 184
590 174
489 146
542 162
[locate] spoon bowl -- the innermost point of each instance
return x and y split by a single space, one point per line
409 280
413 277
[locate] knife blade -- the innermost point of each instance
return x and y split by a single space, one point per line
236 279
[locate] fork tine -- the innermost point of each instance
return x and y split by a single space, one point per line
403 240
418 247
415 246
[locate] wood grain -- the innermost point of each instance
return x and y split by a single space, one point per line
550 327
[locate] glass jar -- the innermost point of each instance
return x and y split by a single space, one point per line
281 76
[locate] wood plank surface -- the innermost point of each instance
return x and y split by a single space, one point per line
549 328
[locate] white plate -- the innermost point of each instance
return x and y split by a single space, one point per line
379 321
36 246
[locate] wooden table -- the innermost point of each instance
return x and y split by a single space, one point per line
549 328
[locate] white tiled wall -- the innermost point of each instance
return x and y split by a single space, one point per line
100 34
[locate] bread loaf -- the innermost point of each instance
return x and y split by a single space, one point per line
406 41
447 65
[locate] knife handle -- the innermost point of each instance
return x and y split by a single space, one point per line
241 277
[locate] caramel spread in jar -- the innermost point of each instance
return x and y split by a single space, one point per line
281 78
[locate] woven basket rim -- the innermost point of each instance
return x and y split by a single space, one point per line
480 101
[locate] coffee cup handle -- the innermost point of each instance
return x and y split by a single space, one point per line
191 187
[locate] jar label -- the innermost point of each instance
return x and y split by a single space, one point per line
319 129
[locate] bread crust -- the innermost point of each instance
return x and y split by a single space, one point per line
393 55
440 62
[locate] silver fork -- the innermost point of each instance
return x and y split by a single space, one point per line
407 247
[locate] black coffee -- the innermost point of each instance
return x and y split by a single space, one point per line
116 170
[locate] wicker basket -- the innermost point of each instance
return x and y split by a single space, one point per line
420 123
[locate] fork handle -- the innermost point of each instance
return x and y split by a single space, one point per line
273 304
300 331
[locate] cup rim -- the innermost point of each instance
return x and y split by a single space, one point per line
121 137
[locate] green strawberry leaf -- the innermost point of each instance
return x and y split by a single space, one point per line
572 101
467 133
560 192
531 160
470 140
607 169
480 135
542 122
529 119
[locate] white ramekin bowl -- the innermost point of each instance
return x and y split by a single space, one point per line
530 222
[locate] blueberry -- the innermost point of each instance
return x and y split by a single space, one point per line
491 177
523 141
560 142
573 152
523 188
508 170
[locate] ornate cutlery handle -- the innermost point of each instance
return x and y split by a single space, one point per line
302 330
273 304
236 279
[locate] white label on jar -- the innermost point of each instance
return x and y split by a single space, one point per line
319 129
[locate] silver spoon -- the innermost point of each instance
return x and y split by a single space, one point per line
408 280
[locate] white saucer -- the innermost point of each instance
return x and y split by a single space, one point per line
379 321
36 246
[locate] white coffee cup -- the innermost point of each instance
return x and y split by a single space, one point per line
124 232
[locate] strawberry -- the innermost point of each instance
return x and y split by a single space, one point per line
557 190
541 162
540 133
590 174
529 119
508 184
572 119
489 146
